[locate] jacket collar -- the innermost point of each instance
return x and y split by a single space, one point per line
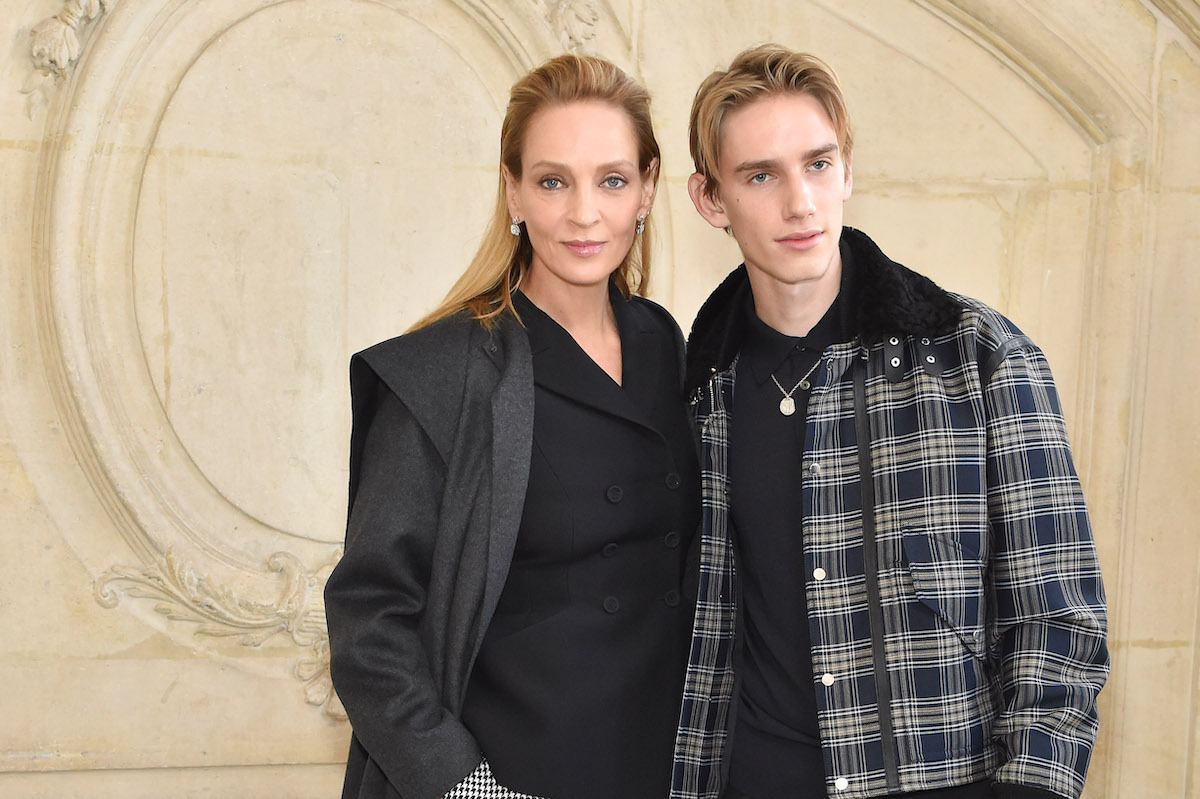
885 298
561 366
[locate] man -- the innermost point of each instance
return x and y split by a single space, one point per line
899 593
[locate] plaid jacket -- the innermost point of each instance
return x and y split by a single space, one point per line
955 604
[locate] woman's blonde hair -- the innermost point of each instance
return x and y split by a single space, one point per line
500 263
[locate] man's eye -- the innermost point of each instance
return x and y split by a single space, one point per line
821 165
761 177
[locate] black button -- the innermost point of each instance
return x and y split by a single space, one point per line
671 598
615 494
673 481
671 539
609 550
611 604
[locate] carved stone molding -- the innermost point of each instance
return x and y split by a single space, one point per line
56 41
205 568
1185 14
573 20
183 595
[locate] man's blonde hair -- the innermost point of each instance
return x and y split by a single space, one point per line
763 71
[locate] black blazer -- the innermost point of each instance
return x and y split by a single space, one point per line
439 463
575 693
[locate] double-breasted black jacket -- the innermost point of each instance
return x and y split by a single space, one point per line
430 540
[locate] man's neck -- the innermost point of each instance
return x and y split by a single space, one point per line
794 308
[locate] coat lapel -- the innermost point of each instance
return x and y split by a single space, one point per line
560 365
507 346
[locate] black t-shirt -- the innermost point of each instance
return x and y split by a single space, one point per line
776 745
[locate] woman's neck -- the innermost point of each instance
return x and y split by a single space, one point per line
585 313
580 310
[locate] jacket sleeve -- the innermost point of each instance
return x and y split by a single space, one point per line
1048 618
376 595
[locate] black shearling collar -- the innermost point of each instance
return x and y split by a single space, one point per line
886 298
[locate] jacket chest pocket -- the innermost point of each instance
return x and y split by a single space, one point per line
948 583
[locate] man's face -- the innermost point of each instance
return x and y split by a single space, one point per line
782 182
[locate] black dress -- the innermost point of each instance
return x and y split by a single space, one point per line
576 689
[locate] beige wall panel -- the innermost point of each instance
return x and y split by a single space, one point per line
262 782
137 709
1179 125
1161 611
222 199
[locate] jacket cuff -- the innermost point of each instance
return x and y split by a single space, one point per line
1007 790
480 784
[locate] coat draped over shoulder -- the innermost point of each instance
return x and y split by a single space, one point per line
439 463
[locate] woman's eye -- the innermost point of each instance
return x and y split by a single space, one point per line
614 181
550 183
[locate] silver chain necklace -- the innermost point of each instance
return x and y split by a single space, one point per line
787 405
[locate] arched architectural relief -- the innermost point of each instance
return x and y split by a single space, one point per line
196 274
218 179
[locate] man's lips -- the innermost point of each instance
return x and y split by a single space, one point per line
801 241
584 247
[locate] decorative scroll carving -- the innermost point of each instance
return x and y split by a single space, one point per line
573 20
185 595
56 41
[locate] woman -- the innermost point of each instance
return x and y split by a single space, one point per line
509 617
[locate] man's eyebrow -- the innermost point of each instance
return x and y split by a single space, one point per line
764 165
771 163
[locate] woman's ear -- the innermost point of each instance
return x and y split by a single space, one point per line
510 194
648 184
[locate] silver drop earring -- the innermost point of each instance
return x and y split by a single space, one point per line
515 227
641 225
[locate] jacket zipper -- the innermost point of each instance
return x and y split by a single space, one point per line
883 686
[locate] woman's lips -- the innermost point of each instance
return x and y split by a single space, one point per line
585 247
801 241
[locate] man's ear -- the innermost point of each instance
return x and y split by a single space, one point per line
711 208
510 194
849 167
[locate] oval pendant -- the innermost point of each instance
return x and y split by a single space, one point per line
787 406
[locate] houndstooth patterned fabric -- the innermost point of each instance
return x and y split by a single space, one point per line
993 617
480 784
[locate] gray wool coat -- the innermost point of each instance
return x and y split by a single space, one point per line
440 453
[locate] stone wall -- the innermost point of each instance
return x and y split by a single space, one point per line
205 207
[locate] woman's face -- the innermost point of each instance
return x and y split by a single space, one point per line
581 192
